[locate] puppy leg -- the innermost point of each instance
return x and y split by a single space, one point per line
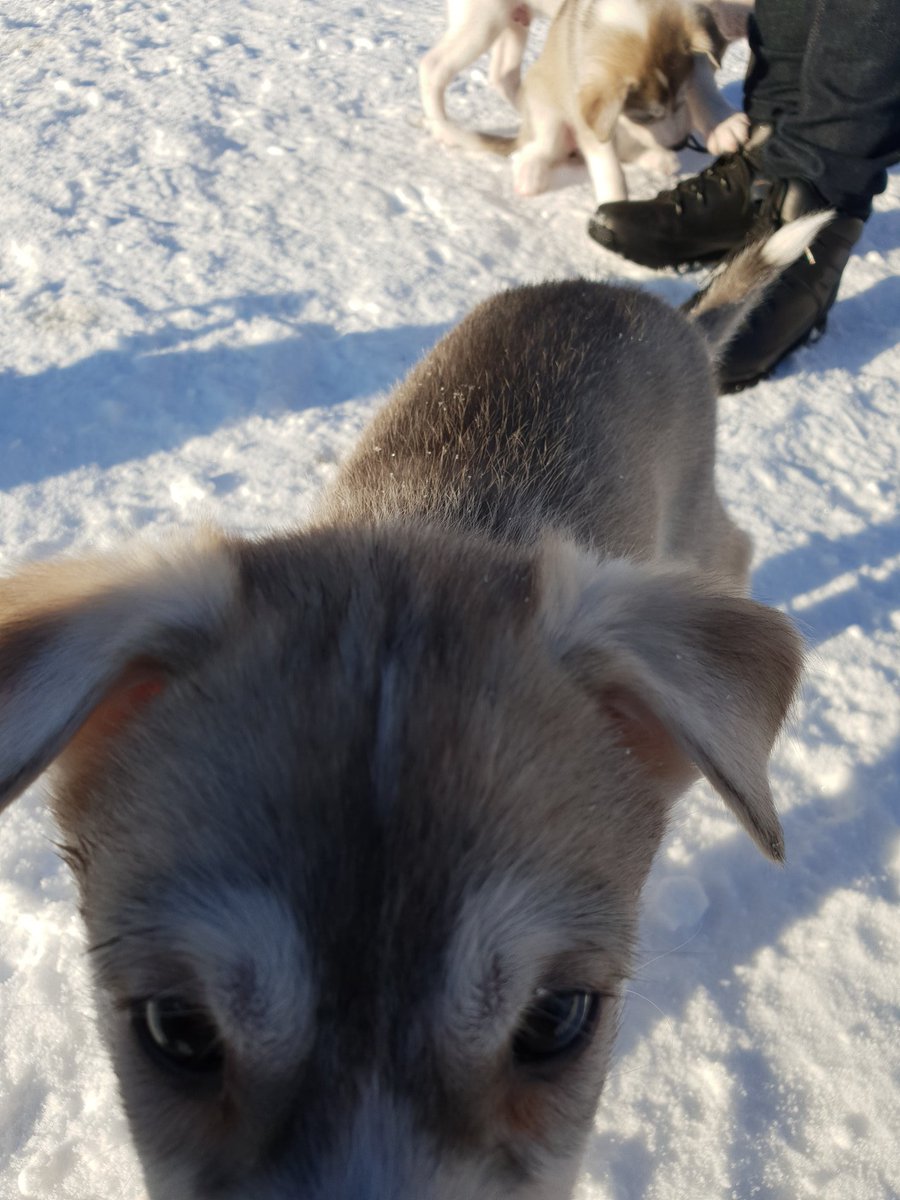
549 143
603 165
723 129
471 36
636 144
729 135
696 528
725 550
736 552
506 60
600 103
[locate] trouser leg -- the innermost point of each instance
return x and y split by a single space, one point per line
777 32
826 75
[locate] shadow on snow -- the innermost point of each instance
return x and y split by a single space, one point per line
157 390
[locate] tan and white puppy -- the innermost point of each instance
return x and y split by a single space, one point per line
360 815
617 80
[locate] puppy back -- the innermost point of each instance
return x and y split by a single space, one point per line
558 404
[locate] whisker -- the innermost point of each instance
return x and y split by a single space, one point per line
666 953
98 947
632 992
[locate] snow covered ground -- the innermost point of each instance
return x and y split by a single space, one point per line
224 235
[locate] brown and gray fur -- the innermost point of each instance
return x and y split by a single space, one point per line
357 792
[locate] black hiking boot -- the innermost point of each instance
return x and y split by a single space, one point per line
796 309
700 220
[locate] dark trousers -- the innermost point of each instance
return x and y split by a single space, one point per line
826 75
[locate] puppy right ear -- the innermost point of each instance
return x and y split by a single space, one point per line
712 26
82 635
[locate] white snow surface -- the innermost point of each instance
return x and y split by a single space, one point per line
225 234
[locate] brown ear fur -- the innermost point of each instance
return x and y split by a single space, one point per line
137 687
613 63
693 674
77 638
600 104
706 37
645 736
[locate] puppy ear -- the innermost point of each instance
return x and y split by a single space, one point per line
600 103
685 674
706 37
94 639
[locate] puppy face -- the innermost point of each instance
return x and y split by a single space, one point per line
644 72
332 941
659 103
359 822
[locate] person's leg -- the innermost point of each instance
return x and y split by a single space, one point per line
777 31
845 130
798 304
830 151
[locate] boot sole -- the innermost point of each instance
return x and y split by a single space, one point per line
732 386
648 256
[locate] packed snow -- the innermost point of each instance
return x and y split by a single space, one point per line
225 235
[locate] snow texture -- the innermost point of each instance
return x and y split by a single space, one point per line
225 235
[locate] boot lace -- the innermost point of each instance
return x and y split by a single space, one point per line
698 186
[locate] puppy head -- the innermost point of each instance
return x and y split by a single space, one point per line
360 822
642 68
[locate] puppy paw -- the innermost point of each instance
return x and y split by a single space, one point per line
607 189
661 161
729 135
443 132
531 175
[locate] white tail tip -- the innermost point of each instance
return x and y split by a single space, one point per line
792 239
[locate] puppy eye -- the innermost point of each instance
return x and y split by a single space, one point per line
178 1034
556 1025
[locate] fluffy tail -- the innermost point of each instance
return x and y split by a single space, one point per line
472 139
724 304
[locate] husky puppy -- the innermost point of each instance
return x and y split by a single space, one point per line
617 80
360 814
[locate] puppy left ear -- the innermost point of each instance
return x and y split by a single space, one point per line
706 37
685 674
600 103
